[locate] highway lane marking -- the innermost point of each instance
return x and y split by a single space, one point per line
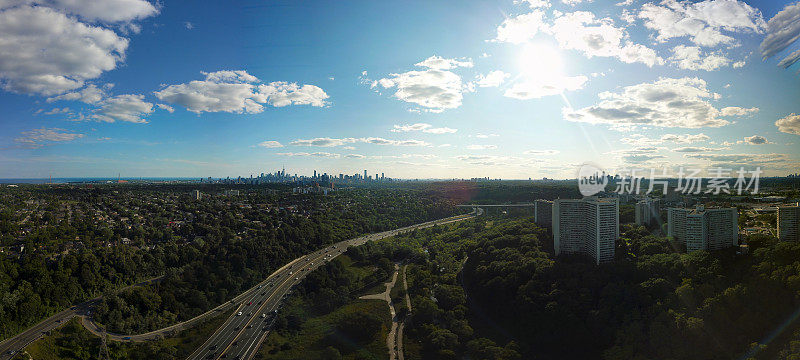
317 257
235 299
363 239
288 278
321 256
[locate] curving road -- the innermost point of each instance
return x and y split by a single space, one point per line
236 336
240 337
13 345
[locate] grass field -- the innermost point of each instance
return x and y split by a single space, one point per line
316 338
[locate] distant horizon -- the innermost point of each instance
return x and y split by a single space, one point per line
516 89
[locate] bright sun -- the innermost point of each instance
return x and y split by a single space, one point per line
540 61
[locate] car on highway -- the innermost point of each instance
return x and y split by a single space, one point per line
126 338
239 313
297 278
263 315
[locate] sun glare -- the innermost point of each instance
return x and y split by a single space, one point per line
540 61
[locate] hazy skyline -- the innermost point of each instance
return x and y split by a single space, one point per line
413 89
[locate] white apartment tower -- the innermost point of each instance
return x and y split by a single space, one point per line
788 222
648 211
588 226
704 229
197 195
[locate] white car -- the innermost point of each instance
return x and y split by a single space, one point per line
239 313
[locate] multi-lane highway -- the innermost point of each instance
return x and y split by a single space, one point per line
242 334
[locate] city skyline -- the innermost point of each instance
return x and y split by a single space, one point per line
512 90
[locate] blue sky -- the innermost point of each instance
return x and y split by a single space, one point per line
414 89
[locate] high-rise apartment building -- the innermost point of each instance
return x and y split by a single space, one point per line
196 195
648 211
704 229
588 226
788 222
543 213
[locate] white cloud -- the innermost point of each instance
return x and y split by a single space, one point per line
382 141
46 52
90 94
769 162
314 154
270 144
692 58
482 147
107 10
637 155
492 79
737 111
534 88
239 92
534 3
642 140
790 59
789 124
440 63
521 28
130 108
433 88
703 22
694 149
441 130
542 152
665 103
755 140
281 94
581 31
323 142
485 136
685 138
188 25
39 137
783 30
166 107
328 142
574 2
355 156
55 111
426 128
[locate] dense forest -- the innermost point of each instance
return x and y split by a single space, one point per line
225 248
653 302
